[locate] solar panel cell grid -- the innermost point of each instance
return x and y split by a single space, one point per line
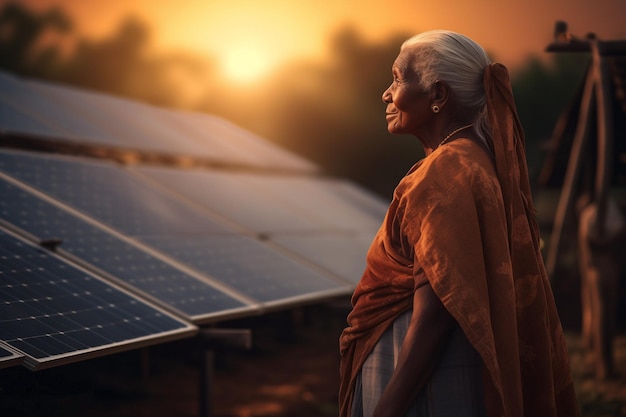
49 308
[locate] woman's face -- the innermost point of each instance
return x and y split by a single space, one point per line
408 105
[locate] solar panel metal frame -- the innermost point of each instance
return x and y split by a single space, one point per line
187 329
250 307
13 357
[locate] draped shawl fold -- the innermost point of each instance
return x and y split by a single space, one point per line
466 226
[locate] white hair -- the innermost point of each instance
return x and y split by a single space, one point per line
460 62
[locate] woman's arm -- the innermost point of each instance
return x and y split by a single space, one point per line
426 338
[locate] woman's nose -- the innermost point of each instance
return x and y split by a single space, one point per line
387 96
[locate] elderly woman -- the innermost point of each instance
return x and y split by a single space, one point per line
454 315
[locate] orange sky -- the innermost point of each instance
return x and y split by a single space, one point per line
273 31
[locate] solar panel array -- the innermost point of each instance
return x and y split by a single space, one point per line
99 257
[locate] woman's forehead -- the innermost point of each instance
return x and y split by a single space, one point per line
403 61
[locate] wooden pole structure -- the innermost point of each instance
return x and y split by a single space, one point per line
605 138
597 84
566 199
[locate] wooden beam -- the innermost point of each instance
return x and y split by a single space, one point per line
566 199
604 164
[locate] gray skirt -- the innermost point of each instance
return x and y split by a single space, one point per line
454 390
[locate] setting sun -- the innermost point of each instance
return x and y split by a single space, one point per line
246 63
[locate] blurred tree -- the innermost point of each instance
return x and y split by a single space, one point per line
20 34
121 65
117 65
109 64
542 91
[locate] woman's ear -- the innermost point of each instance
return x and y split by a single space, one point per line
440 93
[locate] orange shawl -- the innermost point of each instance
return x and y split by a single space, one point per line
467 228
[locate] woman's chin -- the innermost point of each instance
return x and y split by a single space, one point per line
393 128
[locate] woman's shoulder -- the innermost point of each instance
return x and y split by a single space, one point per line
462 158
458 177
461 168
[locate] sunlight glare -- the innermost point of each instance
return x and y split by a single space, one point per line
246 63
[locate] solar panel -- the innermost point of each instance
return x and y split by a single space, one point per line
137 125
235 196
9 357
24 111
15 121
252 268
214 149
342 254
55 312
236 144
117 257
323 199
110 194
361 198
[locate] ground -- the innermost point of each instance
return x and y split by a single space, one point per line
290 371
